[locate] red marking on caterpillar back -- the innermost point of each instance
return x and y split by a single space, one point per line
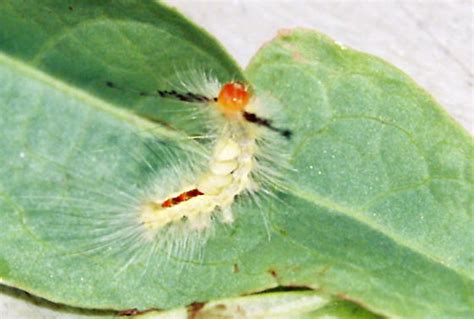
181 198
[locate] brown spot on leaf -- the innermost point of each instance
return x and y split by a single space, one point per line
236 268
273 273
129 312
220 307
134 312
194 309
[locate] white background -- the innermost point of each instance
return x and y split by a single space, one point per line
432 41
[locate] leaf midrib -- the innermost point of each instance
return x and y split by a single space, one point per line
123 115
358 216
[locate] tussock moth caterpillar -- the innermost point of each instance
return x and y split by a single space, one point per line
230 166
192 181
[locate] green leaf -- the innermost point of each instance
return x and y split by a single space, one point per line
382 197
70 145
379 209
140 46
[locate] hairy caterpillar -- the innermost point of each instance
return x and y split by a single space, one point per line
173 211
230 166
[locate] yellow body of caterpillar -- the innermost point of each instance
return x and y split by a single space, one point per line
227 176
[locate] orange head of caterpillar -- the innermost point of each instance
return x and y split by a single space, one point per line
233 98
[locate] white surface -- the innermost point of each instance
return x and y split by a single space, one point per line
431 41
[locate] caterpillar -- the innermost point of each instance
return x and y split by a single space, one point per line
246 148
173 211
230 166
